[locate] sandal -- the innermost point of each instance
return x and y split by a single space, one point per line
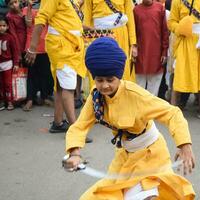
10 107
28 107
48 102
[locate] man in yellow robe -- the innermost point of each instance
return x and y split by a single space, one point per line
95 15
184 21
65 49
129 110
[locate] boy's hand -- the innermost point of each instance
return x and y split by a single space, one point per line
30 57
71 164
15 68
186 155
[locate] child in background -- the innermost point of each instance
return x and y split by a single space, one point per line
17 25
8 58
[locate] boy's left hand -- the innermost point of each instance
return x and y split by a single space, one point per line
15 68
186 155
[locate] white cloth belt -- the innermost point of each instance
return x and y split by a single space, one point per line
53 31
4 66
137 193
108 21
142 141
196 30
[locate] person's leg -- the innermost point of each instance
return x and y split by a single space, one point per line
141 80
78 97
2 92
67 81
68 105
153 83
175 96
163 86
8 88
31 88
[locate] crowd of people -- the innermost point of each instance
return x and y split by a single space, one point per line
149 42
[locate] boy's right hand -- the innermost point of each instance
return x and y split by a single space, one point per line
15 68
71 163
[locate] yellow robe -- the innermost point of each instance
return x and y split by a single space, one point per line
125 35
65 48
187 67
131 109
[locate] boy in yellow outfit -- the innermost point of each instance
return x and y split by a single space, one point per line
65 48
184 21
129 111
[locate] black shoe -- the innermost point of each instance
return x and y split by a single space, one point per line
88 140
59 128
78 103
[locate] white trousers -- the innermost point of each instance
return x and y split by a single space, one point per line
67 78
150 82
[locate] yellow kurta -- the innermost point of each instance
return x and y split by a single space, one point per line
65 48
125 35
139 109
187 68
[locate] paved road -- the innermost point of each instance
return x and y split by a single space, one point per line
30 157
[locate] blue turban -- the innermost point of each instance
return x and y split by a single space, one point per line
104 57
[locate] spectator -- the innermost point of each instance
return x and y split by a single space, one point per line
17 25
39 75
184 22
9 61
152 39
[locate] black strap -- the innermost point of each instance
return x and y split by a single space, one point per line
98 105
110 5
78 11
191 8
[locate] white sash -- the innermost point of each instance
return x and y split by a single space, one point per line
196 30
142 141
53 31
108 21
137 193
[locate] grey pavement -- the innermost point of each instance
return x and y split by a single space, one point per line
30 157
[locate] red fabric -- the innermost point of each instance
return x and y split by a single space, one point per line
6 86
17 28
8 50
152 38
41 44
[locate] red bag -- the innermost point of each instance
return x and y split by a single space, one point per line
19 84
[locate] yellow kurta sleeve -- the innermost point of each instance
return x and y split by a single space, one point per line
131 22
88 21
155 108
76 135
174 16
46 11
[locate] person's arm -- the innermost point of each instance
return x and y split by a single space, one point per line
131 22
15 53
12 31
31 52
160 110
28 15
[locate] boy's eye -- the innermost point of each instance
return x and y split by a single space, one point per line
110 80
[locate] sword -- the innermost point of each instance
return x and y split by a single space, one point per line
100 174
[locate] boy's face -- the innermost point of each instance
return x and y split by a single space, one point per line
107 85
14 5
3 27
